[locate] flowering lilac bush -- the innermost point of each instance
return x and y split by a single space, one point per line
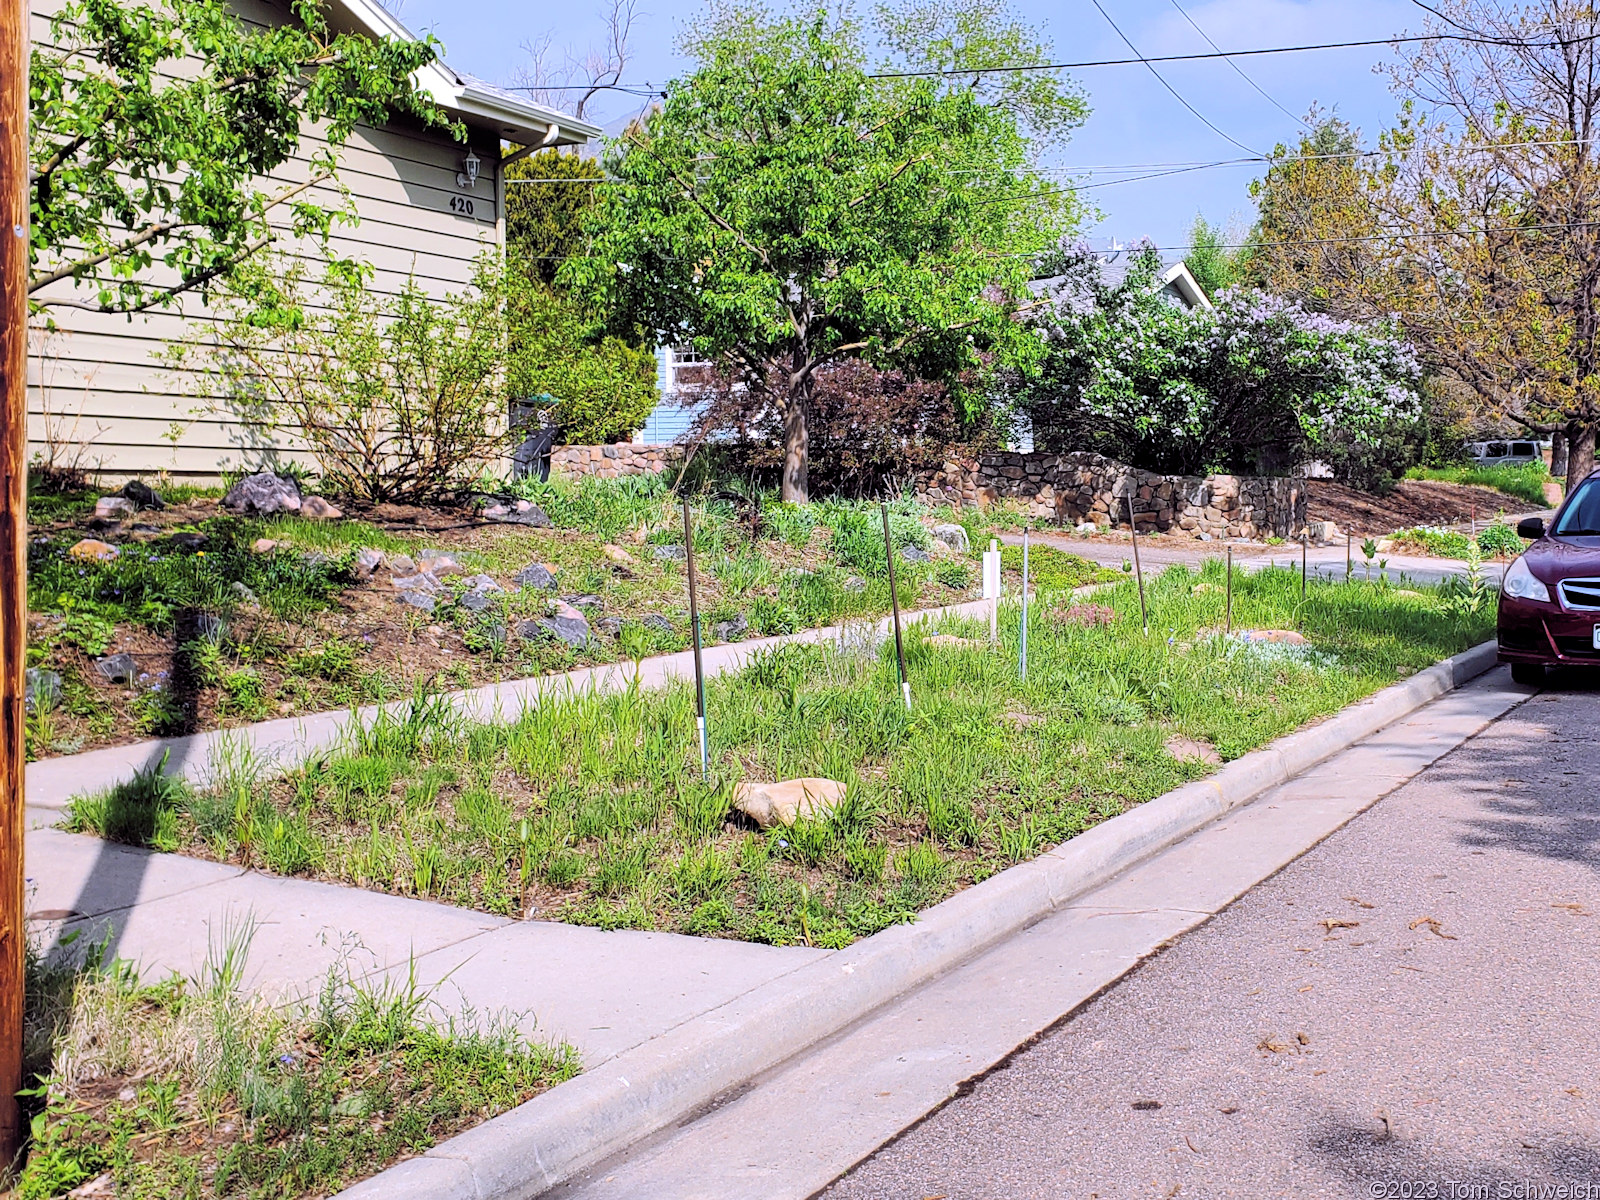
1256 384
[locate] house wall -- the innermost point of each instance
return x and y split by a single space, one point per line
99 390
1078 488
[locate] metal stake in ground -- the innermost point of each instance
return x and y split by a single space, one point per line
1349 555
694 626
1305 541
14 197
894 603
1227 621
1138 571
1023 671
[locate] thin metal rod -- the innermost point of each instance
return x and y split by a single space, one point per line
894 603
1304 543
694 625
1227 625
1349 555
1024 669
1138 571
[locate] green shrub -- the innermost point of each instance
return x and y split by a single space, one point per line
1499 541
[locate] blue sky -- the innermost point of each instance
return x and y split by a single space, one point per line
1135 120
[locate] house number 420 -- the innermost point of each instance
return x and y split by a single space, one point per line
460 204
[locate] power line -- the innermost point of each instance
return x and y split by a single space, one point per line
1238 70
1162 80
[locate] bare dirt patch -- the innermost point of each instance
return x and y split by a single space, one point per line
1413 502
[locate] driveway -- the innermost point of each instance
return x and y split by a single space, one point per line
1409 1009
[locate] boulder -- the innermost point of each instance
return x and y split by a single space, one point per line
401 564
117 668
617 554
262 495
41 689
366 562
93 550
609 625
1323 532
480 593
142 496
573 630
671 553
731 630
954 536
657 622
941 550
263 546
114 508
517 512
188 540
242 592
417 599
587 600
318 509
784 802
535 575
438 562
423 581
916 554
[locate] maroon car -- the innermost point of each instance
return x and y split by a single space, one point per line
1550 596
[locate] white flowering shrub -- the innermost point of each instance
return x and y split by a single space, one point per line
1255 385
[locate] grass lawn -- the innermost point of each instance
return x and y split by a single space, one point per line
592 810
223 633
193 1089
1526 483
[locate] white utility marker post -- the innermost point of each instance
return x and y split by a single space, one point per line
991 588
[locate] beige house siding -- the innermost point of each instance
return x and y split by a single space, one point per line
101 393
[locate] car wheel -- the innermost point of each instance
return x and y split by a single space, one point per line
1531 674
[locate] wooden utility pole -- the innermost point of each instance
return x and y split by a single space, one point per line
13 546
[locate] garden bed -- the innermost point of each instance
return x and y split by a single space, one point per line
196 1089
221 629
593 810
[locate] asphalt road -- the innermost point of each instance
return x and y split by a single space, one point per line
1408 1010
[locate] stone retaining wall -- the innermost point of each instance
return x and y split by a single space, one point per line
1080 487
608 462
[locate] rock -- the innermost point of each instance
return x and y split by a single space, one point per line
142 496
243 592
1283 637
114 508
562 609
949 641
574 631
144 533
438 562
609 625
263 546
1192 750
416 599
941 550
730 630
1205 537
1323 532
423 581
93 550
916 554
535 575
117 668
400 564
657 622
41 689
263 494
318 509
954 536
1385 545
314 558
783 803
587 600
671 553
855 584
521 512
480 593
1088 527
367 561
188 540
798 573
482 583
617 554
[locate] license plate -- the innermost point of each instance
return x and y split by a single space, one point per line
1597 637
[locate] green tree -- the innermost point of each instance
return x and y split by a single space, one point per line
600 388
784 208
153 128
1214 264
547 197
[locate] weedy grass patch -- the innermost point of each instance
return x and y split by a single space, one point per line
197 1088
1525 481
1495 540
592 809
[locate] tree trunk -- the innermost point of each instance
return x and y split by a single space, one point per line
796 487
1580 452
1558 453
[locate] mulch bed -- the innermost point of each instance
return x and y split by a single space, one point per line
1413 502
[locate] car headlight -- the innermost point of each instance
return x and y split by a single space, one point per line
1520 584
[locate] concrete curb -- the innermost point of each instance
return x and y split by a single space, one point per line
581 1123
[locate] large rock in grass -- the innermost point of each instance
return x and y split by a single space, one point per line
142 496
567 625
516 512
318 509
114 508
263 495
92 549
916 554
785 802
954 536
42 689
535 575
